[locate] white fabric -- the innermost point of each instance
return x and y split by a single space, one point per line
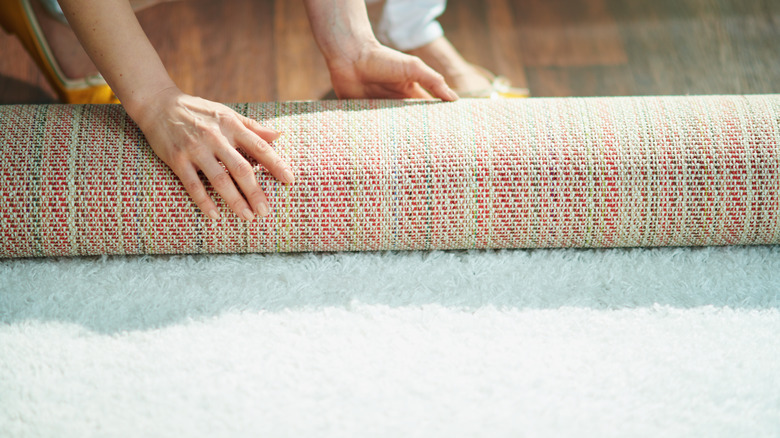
409 24
547 343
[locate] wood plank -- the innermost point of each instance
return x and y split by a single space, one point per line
248 50
504 42
172 30
301 71
617 80
701 46
485 34
568 33
237 51
20 79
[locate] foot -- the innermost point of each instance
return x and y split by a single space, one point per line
460 75
70 56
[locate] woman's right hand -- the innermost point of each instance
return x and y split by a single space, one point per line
191 134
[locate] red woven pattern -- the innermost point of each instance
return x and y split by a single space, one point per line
371 175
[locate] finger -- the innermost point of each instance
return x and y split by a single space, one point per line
419 93
192 184
224 185
264 132
410 91
244 176
429 79
260 150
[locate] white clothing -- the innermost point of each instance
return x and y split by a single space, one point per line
409 24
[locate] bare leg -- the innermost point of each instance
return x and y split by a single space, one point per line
445 59
411 26
72 58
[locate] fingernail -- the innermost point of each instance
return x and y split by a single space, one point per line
214 214
287 176
263 209
453 95
247 214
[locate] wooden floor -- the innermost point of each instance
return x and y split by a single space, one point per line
258 50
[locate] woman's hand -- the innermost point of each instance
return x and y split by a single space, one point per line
380 72
188 133
359 66
191 134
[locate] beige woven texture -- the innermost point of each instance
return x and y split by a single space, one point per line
394 175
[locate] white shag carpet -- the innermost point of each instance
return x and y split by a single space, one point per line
543 343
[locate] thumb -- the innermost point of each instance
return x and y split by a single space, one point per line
429 79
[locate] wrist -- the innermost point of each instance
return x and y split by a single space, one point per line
350 54
341 28
140 104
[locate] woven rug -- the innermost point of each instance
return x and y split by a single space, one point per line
410 175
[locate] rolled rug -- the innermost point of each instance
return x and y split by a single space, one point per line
409 175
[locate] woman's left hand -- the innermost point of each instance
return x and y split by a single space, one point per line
380 72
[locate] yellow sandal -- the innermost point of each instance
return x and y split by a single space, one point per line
17 17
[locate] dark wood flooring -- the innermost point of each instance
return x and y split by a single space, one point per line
258 50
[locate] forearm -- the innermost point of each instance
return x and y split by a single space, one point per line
341 28
191 135
113 38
